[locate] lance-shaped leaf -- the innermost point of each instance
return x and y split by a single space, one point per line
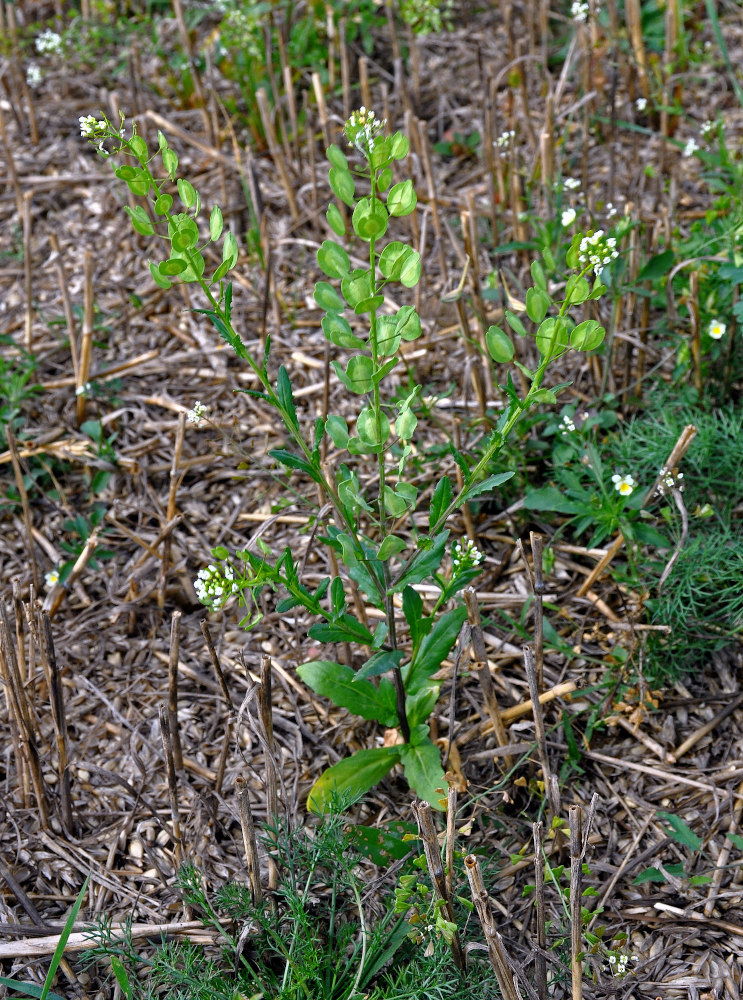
340 683
346 781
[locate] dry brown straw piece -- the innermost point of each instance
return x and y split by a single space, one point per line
576 900
172 785
540 960
496 948
480 660
249 841
431 849
173 690
59 720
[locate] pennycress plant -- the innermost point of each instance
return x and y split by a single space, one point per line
369 492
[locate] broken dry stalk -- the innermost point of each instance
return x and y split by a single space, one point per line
576 900
480 662
173 690
496 948
435 866
249 841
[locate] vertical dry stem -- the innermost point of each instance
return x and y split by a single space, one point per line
480 659
537 551
496 948
60 722
172 786
175 735
576 900
430 842
249 841
531 676
540 961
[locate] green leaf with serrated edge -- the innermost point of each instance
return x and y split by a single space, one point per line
369 305
335 219
537 304
338 331
216 223
499 344
440 501
333 259
587 336
339 683
515 323
327 297
140 220
425 562
424 773
407 323
434 649
391 546
418 707
392 259
550 498
370 430
176 265
336 157
345 782
402 199
399 146
412 609
158 278
357 286
680 831
162 204
538 276
491 483
337 428
342 185
380 663
286 398
292 461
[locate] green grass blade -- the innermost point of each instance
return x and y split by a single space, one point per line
62 943
714 21
28 989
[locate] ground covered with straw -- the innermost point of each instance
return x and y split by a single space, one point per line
103 474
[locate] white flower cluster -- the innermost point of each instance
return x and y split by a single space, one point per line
624 485
610 210
716 329
579 10
568 217
505 139
49 41
571 183
641 103
241 29
708 129
598 251
669 480
362 129
567 425
691 147
197 414
466 555
620 962
214 586
90 128
34 75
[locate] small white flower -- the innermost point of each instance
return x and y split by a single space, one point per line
716 329
83 390
51 579
623 484
568 217
579 10
708 128
49 41
612 959
33 75
610 212
567 425
571 183
505 139
641 103
690 148
196 415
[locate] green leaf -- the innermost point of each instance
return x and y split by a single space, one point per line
338 331
122 978
736 839
426 562
411 271
434 649
344 629
358 374
656 875
342 185
230 249
657 266
63 938
577 290
216 223
292 461
140 220
552 336
286 398
402 198
440 501
336 157
370 304
380 663
407 323
32 989
339 683
538 276
550 498
384 179
337 428
412 608
170 162
370 219
345 782
391 546
158 278
392 259
388 339
491 483
370 430
587 336
333 259
327 297
187 192
176 265
418 707
515 323
162 204
183 232
399 145
680 832
335 219
499 344
537 304
139 147
357 287
424 773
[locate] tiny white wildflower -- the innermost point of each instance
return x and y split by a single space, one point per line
610 211
571 183
579 10
716 329
568 217
505 139
690 148
33 74
51 579
466 555
707 128
612 959
621 969
197 414
49 41
362 129
641 103
623 484
669 479
83 390
567 425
